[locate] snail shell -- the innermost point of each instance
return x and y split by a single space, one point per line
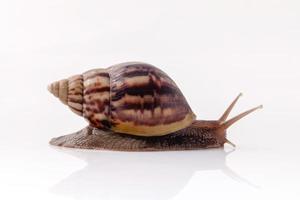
133 98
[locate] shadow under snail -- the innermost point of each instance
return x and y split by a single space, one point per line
135 106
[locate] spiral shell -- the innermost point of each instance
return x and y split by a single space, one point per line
60 90
133 98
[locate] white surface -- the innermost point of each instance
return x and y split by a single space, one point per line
212 49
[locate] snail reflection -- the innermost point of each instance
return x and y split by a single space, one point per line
148 175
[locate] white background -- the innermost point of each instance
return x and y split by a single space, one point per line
212 49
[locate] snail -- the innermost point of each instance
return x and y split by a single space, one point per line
135 106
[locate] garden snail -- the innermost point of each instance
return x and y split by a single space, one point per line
135 106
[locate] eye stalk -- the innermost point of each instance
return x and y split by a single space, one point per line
219 127
224 125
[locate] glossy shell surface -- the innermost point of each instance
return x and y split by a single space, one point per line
145 101
133 98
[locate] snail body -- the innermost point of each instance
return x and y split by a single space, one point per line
136 106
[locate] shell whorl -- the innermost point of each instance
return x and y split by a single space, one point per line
96 98
145 101
133 98
69 92
75 94
60 90
87 95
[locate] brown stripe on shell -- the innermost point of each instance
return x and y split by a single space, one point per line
142 97
56 88
75 78
124 71
152 117
98 106
134 69
75 98
96 90
145 106
100 74
129 82
97 98
75 106
143 89
75 94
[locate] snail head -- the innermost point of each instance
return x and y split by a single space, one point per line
224 124
220 126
